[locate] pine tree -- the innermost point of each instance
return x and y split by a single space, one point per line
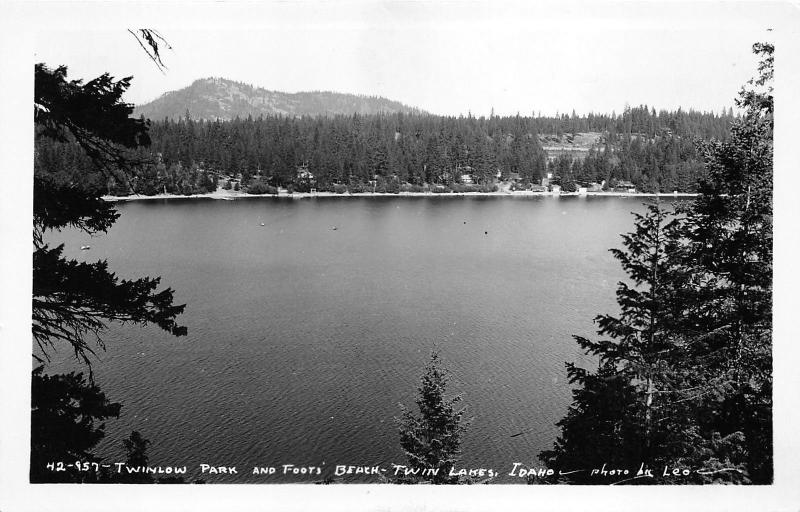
686 376
73 301
432 439
136 449
67 422
631 410
730 244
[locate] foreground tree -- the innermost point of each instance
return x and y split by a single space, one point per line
621 412
431 440
74 301
729 243
685 374
67 422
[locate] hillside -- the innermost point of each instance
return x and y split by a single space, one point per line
218 98
574 146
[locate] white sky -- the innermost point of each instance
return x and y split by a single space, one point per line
443 57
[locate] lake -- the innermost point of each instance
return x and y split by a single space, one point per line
303 339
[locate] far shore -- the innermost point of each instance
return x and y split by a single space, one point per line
229 195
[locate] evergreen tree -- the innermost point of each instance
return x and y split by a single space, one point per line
136 449
67 422
432 439
729 237
633 409
74 301
419 148
686 376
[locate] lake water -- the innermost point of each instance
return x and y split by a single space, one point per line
303 339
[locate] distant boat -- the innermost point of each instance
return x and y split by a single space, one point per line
262 223
334 228
86 247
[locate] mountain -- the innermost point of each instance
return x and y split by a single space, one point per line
218 98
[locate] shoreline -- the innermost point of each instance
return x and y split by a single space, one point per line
226 195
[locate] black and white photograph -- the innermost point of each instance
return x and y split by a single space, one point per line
399 255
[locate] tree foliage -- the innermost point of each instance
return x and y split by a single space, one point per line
152 42
91 115
67 422
655 151
729 241
685 371
431 440
73 301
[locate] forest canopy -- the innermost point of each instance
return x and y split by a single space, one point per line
655 151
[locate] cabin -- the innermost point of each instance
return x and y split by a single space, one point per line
303 174
555 189
538 188
624 186
596 187
466 179
444 177
463 171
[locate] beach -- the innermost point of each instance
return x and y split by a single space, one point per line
228 195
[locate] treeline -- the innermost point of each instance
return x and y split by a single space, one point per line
654 151
66 163
659 164
643 120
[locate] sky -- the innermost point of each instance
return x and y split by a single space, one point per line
449 58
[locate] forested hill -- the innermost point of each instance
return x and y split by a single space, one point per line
218 98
